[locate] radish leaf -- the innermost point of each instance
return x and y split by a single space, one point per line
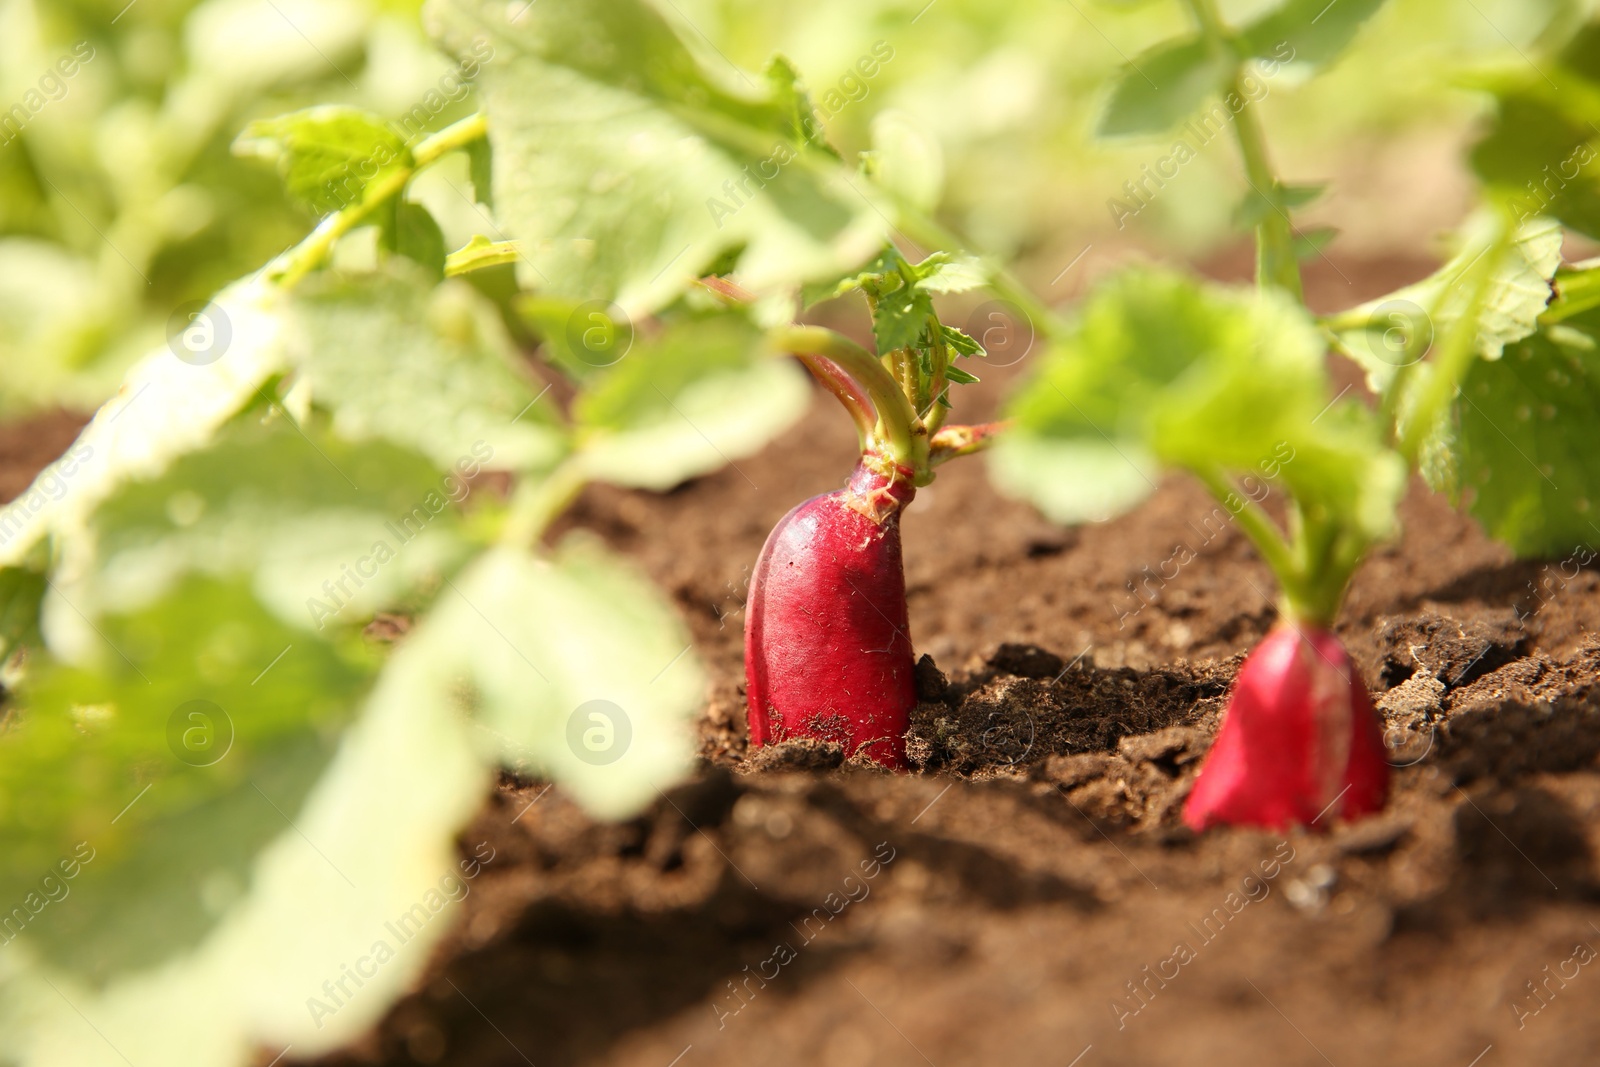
1381 338
135 433
1163 85
327 155
702 394
429 369
91 738
544 644
1159 370
1525 464
627 168
21 592
326 531
1314 31
418 237
1540 149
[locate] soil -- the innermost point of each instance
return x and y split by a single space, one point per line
1028 895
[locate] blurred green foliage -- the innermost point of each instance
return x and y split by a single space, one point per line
124 198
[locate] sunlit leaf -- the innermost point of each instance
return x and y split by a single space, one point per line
329 155
430 369
699 396
1160 370
626 168
175 760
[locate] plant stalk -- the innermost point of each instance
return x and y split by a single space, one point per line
288 269
1276 264
535 504
895 418
1257 525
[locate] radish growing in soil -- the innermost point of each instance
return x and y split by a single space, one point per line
827 641
1299 739
1159 369
1231 385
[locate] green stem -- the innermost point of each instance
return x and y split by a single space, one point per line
932 411
845 390
536 504
894 411
1256 524
1276 263
454 136
1275 259
310 253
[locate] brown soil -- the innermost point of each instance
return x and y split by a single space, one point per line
1022 897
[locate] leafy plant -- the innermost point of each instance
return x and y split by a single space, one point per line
827 641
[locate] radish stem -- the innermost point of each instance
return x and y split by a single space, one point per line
845 390
1276 263
289 268
893 410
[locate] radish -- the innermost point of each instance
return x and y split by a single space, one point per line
827 641
1299 739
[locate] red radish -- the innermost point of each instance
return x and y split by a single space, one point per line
1299 740
827 648
827 644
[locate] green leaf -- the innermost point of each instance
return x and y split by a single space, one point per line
1162 86
175 762
418 237
794 103
1308 243
328 155
326 531
136 435
1526 442
1256 206
427 368
940 273
960 343
901 317
1379 334
1540 148
1309 33
547 644
626 168
1072 479
700 395
582 338
1165 84
1160 370
322 896
1541 157
901 294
